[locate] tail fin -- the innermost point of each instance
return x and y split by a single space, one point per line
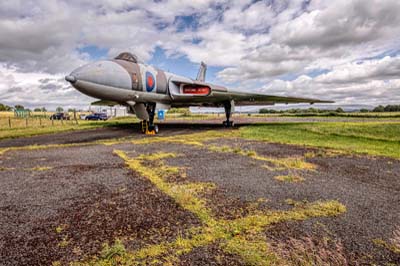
201 75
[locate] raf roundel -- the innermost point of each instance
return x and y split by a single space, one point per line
150 82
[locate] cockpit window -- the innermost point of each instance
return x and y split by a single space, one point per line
127 57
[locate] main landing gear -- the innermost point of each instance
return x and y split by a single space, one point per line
148 127
228 111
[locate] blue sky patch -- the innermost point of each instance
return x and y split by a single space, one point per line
94 52
181 65
317 72
391 53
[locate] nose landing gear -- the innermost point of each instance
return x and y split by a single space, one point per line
148 127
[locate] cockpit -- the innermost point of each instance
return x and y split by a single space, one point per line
126 56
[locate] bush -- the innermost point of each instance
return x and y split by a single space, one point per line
387 108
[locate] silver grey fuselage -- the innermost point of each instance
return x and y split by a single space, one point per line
124 81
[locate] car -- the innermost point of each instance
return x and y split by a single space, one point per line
97 116
60 116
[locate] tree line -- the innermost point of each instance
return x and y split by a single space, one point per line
387 108
377 109
18 107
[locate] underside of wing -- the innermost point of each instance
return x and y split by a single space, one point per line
247 98
105 103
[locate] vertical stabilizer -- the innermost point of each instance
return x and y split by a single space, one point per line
201 76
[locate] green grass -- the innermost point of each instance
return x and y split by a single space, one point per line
374 138
348 115
6 132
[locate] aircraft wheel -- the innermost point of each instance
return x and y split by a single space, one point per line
228 124
143 126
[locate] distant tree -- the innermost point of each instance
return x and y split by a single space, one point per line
364 110
37 109
71 110
392 108
312 110
339 110
379 108
59 109
44 109
4 107
19 107
267 111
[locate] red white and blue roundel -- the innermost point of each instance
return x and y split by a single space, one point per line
150 81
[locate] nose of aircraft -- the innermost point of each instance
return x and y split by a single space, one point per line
106 73
70 78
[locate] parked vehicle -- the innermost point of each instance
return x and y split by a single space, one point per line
97 116
60 116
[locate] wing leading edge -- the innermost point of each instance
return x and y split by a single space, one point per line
248 98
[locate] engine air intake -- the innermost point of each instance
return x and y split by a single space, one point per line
196 90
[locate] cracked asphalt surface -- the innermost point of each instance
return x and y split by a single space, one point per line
62 204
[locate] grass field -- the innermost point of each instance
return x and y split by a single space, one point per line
373 138
46 126
354 114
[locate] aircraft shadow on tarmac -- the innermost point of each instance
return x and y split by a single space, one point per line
172 126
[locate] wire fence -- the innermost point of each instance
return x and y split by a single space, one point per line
24 122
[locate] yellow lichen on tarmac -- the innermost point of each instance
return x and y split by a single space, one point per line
242 236
285 163
39 168
108 142
291 178
2 151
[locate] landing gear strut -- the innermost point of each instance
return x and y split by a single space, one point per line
228 111
148 127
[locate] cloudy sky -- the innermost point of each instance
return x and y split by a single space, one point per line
344 50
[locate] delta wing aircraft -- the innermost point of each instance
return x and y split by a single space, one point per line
144 89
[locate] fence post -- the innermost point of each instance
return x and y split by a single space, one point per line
62 122
26 121
40 121
76 120
52 120
9 122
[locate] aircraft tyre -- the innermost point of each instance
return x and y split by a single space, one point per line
228 123
144 126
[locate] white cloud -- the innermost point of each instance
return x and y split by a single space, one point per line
379 69
372 82
38 89
254 41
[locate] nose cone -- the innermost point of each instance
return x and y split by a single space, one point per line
70 78
106 73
